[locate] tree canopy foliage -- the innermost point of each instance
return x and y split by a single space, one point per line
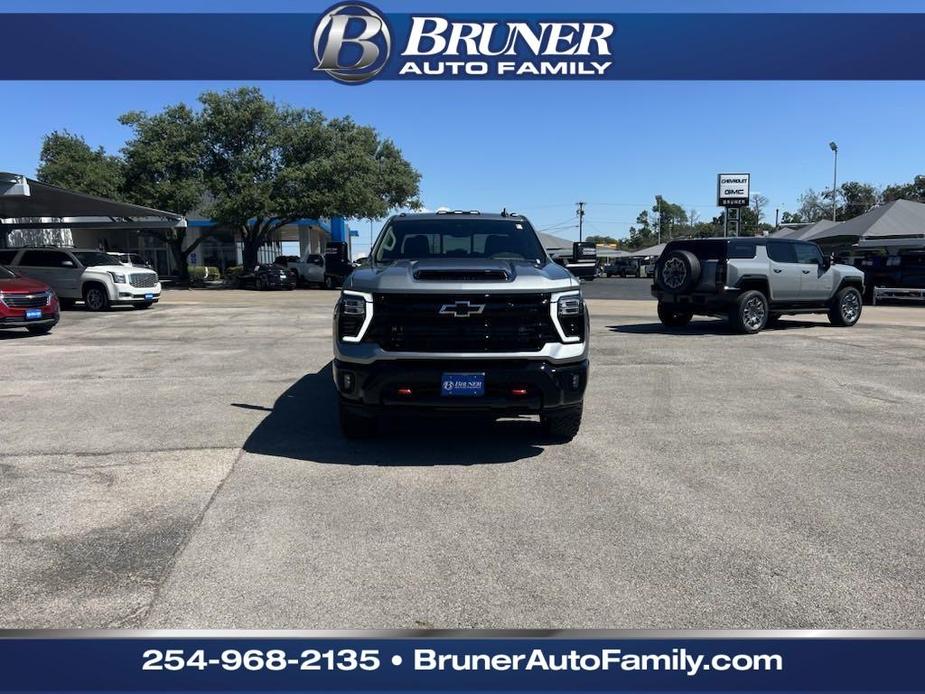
245 161
69 162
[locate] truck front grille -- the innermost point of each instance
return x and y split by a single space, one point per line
143 279
447 323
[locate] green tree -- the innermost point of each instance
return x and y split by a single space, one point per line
906 191
67 161
268 165
814 206
163 169
602 239
672 219
641 236
856 199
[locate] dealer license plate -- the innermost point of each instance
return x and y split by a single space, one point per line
33 313
462 385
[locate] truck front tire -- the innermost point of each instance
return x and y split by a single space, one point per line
563 424
354 425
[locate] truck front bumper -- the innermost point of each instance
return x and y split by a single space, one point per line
515 386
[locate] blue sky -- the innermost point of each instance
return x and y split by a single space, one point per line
538 147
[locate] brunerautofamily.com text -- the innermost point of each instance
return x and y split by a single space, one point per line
428 659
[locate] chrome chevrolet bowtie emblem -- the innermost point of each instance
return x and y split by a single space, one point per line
461 309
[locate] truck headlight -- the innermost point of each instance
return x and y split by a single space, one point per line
571 305
569 316
118 277
353 305
354 312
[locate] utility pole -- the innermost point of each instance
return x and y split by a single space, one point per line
581 216
777 219
834 148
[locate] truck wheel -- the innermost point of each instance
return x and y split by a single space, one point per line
354 425
673 318
96 298
750 313
562 424
846 308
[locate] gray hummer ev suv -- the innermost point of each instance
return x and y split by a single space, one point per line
753 282
460 312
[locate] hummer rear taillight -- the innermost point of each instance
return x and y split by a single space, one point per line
721 273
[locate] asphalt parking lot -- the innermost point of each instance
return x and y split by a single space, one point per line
181 467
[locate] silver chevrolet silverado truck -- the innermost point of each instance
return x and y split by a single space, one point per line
456 313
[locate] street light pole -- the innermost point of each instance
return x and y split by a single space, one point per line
834 148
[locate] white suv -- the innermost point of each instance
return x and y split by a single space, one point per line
96 277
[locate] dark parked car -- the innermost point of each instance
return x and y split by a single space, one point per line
26 303
267 276
622 267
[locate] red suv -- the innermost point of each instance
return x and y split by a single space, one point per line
26 303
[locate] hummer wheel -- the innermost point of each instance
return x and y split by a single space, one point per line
671 317
750 313
846 308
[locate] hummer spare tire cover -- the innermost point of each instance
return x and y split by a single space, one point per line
678 271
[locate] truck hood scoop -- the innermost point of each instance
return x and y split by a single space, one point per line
443 271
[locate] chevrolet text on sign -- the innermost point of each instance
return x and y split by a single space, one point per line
732 190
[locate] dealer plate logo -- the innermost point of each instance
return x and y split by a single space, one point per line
352 43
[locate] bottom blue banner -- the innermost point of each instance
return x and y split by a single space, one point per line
151 661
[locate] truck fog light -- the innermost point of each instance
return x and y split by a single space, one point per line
576 381
347 382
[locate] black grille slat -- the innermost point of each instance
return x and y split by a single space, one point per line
25 300
508 323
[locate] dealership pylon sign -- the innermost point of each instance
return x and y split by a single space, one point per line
732 189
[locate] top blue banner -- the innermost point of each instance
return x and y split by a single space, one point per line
355 43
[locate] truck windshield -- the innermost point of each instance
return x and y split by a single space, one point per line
91 258
502 239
